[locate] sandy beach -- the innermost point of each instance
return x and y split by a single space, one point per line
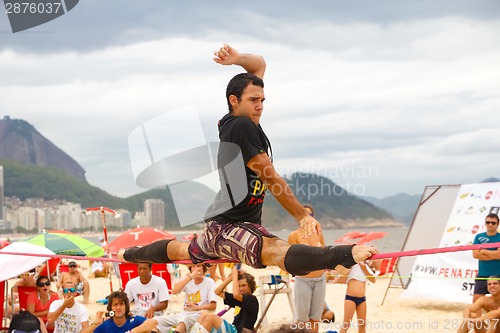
396 315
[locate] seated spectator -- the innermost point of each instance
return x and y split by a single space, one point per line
25 321
199 295
149 292
488 306
122 321
27 280
77 278
40 300
67 315
98 269
242 297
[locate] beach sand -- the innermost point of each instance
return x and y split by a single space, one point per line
396 315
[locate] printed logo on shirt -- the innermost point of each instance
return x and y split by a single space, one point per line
145 299
66 323
194 298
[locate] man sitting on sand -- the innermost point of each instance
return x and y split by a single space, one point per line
199 296
148 292
490 321
242 298
67 315
75 276
98 269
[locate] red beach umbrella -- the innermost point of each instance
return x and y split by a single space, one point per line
350 236
137 237
3 243
371 237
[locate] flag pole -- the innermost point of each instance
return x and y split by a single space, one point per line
103 211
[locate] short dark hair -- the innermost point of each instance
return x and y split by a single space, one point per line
250 280
41 277
24 321
205 268
238 83
491 215
310 207
122 296
150 265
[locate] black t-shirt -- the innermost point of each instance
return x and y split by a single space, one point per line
249 310
242 193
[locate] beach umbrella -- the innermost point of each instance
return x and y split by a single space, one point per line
137 237
371 237
3 243
67 244
13 265
350 236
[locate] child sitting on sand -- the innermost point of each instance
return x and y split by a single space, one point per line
355 299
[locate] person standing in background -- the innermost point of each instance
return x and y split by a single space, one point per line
488 259
310 289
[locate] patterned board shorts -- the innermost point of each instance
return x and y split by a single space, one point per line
241 241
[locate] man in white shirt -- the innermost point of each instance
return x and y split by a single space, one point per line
149 292
199 295
67 315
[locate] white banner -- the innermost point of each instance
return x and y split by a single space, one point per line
450 276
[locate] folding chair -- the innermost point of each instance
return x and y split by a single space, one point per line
23 293
127 272
4 305
52 268
161 270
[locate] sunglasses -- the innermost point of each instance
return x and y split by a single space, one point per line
69 290
43 284
72 266
491 222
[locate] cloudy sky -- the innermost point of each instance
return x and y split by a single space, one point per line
380 96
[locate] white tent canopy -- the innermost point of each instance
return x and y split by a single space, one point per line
13 265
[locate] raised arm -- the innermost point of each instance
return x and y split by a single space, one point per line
219 291
367 271
252 63
236 288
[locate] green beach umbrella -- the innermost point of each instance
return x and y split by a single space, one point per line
67 244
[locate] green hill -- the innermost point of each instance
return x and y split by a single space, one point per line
332 203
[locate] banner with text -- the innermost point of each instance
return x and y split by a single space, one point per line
450 276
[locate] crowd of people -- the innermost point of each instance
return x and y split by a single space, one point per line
234 231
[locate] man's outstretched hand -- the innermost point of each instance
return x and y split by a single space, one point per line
363 252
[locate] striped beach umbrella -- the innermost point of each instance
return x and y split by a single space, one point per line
67 244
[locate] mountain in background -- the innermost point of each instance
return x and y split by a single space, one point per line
32 169
491 180
333 207
21 142
402 206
